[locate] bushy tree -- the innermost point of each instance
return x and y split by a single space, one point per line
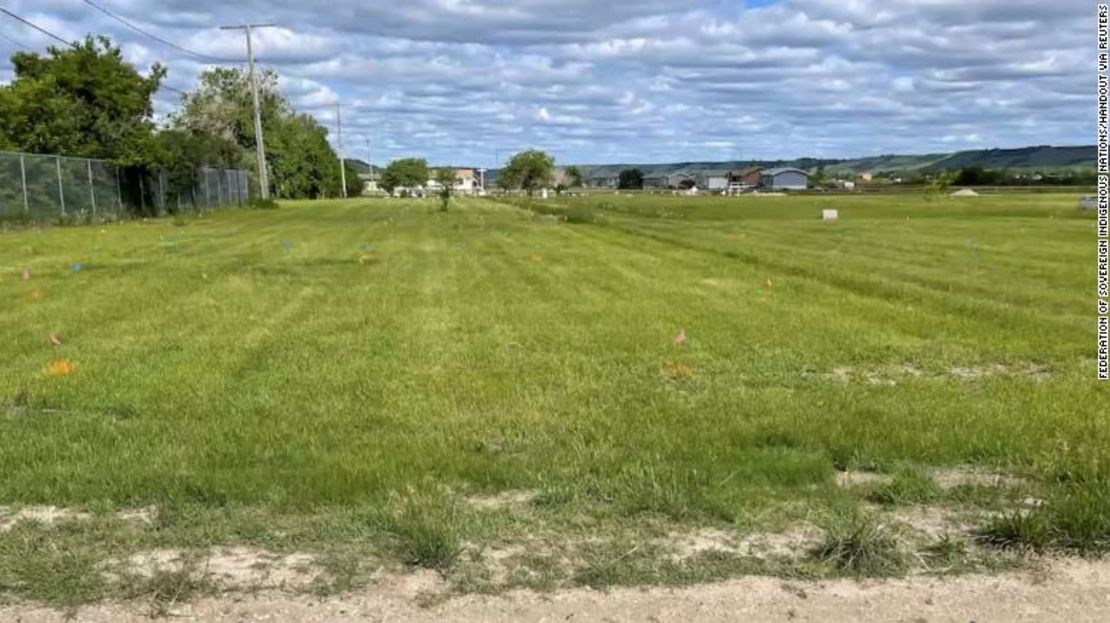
301 162
631 179
978 176
82 101
573 176
530 170
406 172
937 186
446 180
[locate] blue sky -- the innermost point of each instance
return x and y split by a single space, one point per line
467 81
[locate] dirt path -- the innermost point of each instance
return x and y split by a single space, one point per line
1071 590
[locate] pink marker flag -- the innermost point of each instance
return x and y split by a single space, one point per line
681 337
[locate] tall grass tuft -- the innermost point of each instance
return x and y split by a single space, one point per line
425 529
856 543
1075 517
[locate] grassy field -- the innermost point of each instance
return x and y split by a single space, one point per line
377 383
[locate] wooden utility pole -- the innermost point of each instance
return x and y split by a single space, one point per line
260 146
339 142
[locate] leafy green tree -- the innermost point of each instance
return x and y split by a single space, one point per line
818 179
573 176
180 152
631 179
937 186
406 173
301 162
446 180
82 101
355 185
530 170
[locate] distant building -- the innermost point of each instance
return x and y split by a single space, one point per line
683 180
466 181
656 182
785 178
714 182
602 181
370 180
867 176
744 179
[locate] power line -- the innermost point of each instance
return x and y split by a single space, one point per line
17 44
213 59
69 43
38 28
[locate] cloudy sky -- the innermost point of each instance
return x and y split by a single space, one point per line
593 81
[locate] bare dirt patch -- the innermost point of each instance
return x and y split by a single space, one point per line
1069 590
952 477
1025 370
792 543
506 500
232 568
690 544
932 521
854 478
146 515
890 375
52 515
45 515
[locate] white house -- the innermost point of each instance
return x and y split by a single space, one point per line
467 182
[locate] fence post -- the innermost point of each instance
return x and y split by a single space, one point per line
142 195
23 175
92 189
119 192
161 192
61 191
207 190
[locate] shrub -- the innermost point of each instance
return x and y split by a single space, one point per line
262 204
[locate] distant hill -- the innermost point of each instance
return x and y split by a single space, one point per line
1043 158
362 167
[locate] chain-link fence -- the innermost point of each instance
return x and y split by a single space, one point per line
38 187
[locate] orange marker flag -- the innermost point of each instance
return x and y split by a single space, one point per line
60 368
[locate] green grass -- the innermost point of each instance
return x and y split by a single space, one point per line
279 377
908 486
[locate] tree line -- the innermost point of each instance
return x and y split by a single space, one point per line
86 101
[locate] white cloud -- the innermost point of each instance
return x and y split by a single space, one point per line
459 80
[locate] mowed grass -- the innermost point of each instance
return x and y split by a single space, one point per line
335 374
